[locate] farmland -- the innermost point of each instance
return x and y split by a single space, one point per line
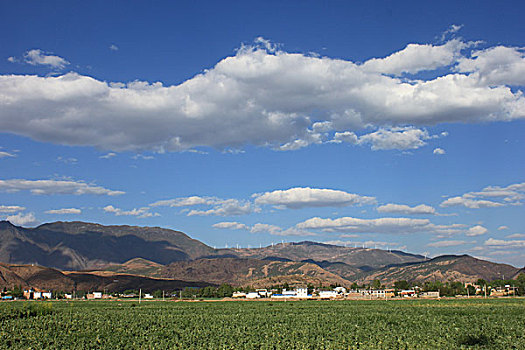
404 324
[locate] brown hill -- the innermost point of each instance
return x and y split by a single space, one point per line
248 271
361 258
44 278
79 245
462 268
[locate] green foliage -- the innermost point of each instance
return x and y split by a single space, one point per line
17 292
400 285
376 284
403 324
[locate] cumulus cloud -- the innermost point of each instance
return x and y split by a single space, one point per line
44 187
231 225
451 243
476 231
140 212
108 155
113 47
439 151
422 209
497 197
381 226
38 57
186 201
363 244
227 207
219 207
402 138
64 211
498 65
303 197
22 219
388 138
503 227
263 228
4 154
516 235
262 96
500 243
415 58
9 209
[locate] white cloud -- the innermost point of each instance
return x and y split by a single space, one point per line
261 97
453 29
271 229
451 243
113 47
220 207
498 65
416 58
226 207
380 225
42 187
231 225
108 155
38 57
4 154
263 228
476 231
470 203
401 138
140 212
503 227
64 211
141 156
500 243
9 209
516 235
22 219
187 201
439 151
69 160
499 196
303 197
405 209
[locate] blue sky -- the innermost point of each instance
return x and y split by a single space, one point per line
385 124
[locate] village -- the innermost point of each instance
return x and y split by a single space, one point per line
300 293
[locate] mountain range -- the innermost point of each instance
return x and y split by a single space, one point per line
88 256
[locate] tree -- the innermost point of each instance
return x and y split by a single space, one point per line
224 290
17 292
376 284
400 285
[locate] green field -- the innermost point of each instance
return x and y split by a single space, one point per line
404 324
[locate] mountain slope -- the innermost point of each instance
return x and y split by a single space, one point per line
79 245
44 278
462 268
319 252
248 271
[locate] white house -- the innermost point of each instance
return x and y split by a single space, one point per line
252 295
298 293
47 295
328 294
239 295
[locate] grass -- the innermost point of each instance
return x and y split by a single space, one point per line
410 324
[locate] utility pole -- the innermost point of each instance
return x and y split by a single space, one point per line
140 294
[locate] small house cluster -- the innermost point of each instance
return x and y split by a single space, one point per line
336 293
